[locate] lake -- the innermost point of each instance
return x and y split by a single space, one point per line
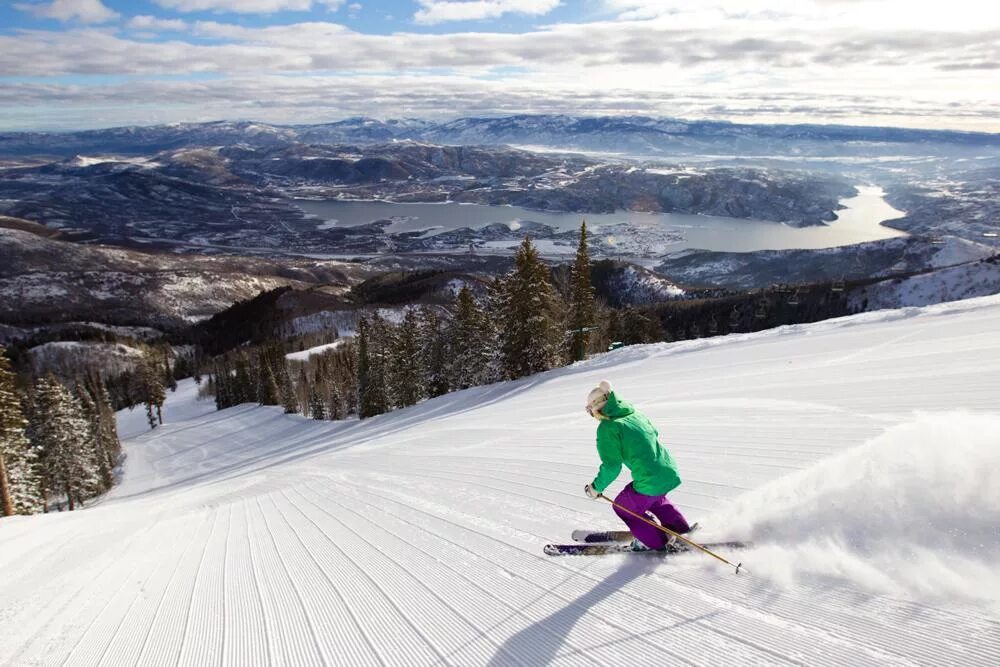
857 223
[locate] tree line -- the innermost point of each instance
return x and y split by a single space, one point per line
519 324
58 442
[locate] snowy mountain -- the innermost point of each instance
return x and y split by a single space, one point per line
859 455
963 281
635 134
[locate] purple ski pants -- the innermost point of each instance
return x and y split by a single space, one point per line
659 507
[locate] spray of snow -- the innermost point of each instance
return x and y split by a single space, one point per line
913 512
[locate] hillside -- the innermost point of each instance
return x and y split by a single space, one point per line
46 280
962 281
860 455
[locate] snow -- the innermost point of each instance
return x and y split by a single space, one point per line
860 455
959 251
319 349
89 161
938 472
957 282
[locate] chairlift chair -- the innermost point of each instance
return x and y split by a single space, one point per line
793 300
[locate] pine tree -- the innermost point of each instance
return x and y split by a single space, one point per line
62 436
289 399
407 367
267 385
20 488
111 446
433 353
152 392
530 327
244 384
317 406
169 380
371 397
222 379
470 338
335 401
582 310
89 412
342 379
382 345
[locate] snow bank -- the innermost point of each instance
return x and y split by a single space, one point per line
912 512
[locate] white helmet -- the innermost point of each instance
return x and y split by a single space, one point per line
597 397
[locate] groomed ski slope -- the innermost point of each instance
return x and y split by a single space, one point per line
861 455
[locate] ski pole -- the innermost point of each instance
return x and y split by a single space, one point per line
738 566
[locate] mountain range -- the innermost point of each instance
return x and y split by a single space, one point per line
634 134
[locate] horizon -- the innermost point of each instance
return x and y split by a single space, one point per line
70 65
447 119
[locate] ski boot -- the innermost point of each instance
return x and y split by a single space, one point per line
674 544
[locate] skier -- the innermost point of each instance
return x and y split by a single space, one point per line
625 435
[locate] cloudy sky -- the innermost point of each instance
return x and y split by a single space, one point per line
68 64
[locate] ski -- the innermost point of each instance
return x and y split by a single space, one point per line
607 548
592 536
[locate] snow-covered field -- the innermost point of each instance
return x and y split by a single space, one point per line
861 455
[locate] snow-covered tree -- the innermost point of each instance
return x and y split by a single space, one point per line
62 435
433 353
407 369
371 376
335 400
152 391
89 412
20 487
582 314
530 324
470 339
107 426
317 406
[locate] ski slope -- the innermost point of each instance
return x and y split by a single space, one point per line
861 455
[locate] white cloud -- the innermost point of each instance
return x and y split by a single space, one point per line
281 99
85 11
786 64
247 6
440 11
823 14
572 50
146 22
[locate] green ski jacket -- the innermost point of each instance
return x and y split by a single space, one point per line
628 437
